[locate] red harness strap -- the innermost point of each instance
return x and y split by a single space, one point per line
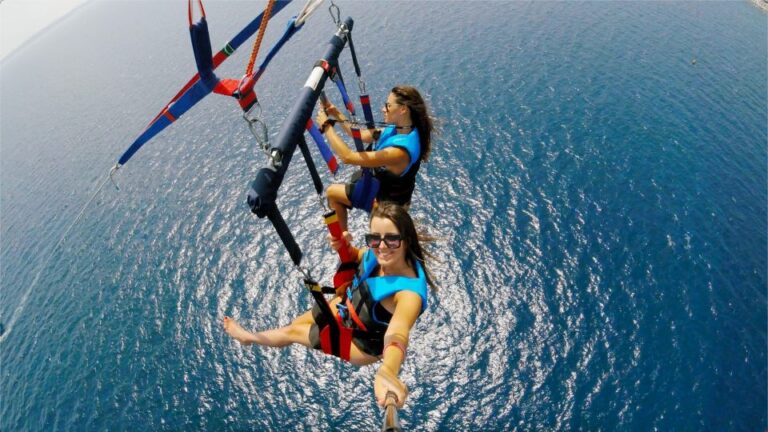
354 316
348 267
335 338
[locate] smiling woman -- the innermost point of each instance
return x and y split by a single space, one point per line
395 153
21 20
377 312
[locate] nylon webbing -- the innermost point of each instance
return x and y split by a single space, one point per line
311 166
354 56
285 235
330 320
339 80
365 101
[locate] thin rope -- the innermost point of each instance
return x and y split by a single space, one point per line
23 303
309 8
262 29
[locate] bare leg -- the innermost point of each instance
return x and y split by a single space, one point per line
338 201
295 332
284 336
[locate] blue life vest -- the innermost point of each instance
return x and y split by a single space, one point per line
382 184
381 287
399 187
408 142
365 296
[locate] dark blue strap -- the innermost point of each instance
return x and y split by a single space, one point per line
201 47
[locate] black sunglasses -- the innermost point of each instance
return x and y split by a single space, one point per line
391 240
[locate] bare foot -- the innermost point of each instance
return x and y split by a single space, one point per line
233 329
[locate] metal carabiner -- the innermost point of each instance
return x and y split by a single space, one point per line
336 18
323 202
257 127
304 272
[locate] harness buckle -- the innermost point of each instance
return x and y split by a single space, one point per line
343 311
361 85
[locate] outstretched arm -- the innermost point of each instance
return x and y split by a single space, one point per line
407 310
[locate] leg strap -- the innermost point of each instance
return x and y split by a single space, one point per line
335 338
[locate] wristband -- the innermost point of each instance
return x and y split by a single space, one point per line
397 345
328 122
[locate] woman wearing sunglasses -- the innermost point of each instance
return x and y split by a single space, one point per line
395 157
387 296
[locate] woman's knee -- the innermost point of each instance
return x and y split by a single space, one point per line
336 192
298 332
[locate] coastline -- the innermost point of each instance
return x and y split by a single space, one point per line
762 4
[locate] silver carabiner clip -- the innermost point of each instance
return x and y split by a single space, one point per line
323 202
257 127
337 17
304 272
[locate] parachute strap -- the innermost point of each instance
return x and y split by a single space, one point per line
335 338
350 107
349 310
365 101
354 56
257 44
189 10
322 146
346 271
302 144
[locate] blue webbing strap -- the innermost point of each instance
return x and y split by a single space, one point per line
365 101
339 80
322 146
201 47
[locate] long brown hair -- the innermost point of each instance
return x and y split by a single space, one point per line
411 238
420 116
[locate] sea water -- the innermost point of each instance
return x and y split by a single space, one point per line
598 185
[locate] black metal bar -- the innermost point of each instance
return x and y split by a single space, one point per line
263 191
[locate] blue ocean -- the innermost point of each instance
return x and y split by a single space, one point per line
599 188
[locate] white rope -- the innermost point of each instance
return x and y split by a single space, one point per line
309 8
24 298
